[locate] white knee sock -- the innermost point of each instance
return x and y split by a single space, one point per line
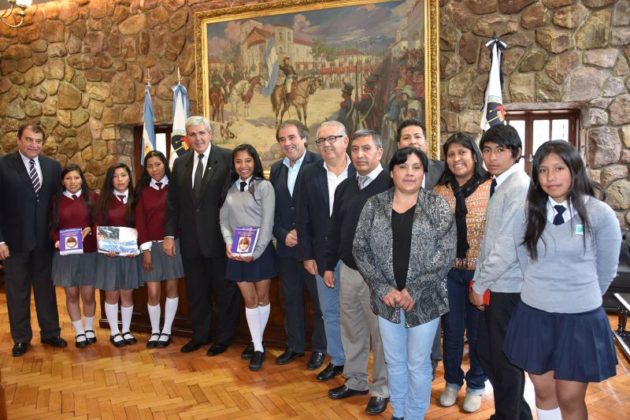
170 309
553 414
154 316
264 317
111 312
126 313
253 322
78 327
89 323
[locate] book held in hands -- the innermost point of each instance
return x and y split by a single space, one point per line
117 239
244 241
70 241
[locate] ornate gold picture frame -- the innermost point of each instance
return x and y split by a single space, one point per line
366 63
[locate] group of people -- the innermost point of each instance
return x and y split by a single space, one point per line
515 266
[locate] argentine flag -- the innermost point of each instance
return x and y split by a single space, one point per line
181 109
148 130
273 67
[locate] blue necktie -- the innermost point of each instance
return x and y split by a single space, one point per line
558 219
493 186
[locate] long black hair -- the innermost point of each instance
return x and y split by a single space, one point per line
106 197
86 196
145 178
466 141
461 192
258 172
537 198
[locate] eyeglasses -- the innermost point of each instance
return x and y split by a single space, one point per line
329 139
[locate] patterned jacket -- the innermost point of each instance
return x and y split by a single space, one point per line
433 243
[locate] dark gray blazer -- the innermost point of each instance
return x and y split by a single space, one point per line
196 220
433 242
433 174
23 215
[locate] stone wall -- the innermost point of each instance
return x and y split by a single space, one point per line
80 66
560 53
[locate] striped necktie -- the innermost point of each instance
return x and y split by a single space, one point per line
363 181
32 173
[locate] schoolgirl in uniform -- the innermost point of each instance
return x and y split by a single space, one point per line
72 207
151 196
117 275
250 202
568 253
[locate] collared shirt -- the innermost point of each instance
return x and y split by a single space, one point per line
551 211
334 181
38 168
238 183
125 193
505 175
372 175
206 155
293 171
164 181
69 194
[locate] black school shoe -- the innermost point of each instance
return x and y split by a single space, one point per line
256 362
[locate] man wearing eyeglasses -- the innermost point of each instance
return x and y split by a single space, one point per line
285 177
317 193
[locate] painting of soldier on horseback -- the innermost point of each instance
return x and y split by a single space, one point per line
347 60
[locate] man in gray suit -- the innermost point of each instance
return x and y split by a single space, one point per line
411 134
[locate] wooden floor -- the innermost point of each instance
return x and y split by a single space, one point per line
135 383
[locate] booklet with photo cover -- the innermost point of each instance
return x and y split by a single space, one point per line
244 240
117 239
70 241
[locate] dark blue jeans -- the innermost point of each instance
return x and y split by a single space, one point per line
462 318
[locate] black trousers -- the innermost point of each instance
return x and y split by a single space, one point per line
508 381
21 270
205 280
294 279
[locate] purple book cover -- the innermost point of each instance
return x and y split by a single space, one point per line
244 241
70 241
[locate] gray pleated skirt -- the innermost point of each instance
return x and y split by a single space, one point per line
73 270
115 273
164 267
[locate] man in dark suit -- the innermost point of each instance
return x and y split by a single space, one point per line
285 177
319 181
194 201
27 181
411 134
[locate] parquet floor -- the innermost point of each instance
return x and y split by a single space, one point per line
135 383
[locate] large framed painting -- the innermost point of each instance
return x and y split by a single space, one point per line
368 64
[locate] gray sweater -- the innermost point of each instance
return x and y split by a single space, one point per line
252 207
433 240
497 265
568 277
